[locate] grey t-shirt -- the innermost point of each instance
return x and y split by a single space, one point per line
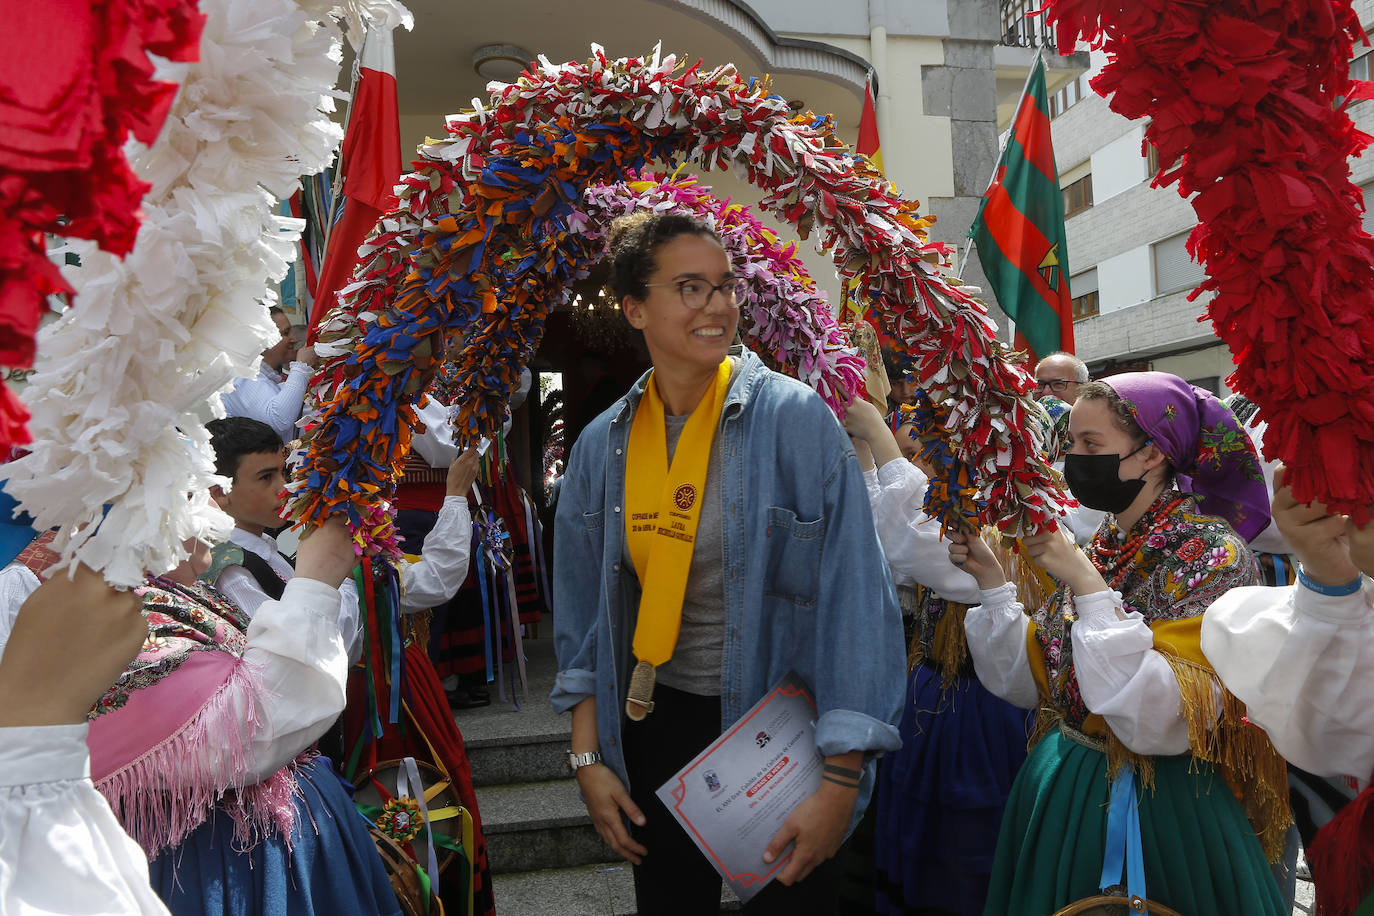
696 663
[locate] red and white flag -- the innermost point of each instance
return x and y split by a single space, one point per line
370 165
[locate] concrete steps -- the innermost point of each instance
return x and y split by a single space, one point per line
604 889
546 857
538 825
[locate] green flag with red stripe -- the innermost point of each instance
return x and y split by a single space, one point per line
1019 231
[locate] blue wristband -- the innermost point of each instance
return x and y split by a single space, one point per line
1330 591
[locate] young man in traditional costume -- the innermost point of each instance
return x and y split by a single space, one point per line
249 568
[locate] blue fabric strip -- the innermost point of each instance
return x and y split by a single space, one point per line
1135 853
1113 857
1123 838
486 606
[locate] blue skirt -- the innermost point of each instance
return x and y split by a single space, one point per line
940 798
332 868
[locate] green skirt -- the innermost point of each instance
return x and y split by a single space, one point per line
1202 857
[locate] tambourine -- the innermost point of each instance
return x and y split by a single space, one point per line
401 819
1103 905
405 880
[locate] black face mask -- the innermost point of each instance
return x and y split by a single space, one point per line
1096 482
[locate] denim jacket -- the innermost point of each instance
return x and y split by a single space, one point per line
806 585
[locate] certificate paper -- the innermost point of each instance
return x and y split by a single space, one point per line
734 796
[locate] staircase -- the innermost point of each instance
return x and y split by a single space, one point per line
546 857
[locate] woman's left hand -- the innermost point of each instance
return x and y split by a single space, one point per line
1061 558
817 827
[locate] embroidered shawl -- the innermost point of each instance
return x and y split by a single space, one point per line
188 691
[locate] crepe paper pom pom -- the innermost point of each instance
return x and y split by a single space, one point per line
1289 270
483 238
122 378
376 535
63 169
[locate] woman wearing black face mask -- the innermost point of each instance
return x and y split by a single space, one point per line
1128 703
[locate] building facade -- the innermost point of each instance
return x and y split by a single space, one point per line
1130 273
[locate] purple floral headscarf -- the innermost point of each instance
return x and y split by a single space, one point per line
1214 458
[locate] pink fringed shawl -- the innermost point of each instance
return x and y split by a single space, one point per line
172 739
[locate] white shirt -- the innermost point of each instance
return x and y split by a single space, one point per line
443 563
1270 540
239 584
1122 677
295 647
912 540
61 848
17 582
1303 664
271 399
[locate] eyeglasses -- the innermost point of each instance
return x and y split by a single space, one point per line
1055 384
696 293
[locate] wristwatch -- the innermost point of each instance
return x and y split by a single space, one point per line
577 761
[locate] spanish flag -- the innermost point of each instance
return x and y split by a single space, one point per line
1019 230
370 165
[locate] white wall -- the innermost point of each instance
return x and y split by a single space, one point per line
1118 166
850 17
1123 280
1214 361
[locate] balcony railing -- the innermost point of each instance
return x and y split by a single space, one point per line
1020 29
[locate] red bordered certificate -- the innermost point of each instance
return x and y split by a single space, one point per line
734 796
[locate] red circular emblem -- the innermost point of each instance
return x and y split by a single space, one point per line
685 496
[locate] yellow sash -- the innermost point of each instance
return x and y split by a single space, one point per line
662 553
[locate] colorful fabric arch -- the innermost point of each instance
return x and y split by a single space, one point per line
484 237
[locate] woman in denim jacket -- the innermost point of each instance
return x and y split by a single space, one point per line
786 574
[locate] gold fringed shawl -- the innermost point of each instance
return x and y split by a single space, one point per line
1217 732
949 648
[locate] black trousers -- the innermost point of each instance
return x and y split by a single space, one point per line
675 879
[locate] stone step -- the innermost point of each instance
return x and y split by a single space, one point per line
507 743
600 889
532 758
538 825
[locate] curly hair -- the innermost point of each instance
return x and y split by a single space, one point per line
634 239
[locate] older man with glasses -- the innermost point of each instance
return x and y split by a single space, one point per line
1060 374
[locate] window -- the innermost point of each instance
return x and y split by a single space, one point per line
1359 67
1368 209
1078 196
1083 288
1151 160
1174 269
1070 94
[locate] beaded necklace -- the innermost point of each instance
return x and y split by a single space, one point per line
1116 560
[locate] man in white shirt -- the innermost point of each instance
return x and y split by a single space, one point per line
274 398
249 568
